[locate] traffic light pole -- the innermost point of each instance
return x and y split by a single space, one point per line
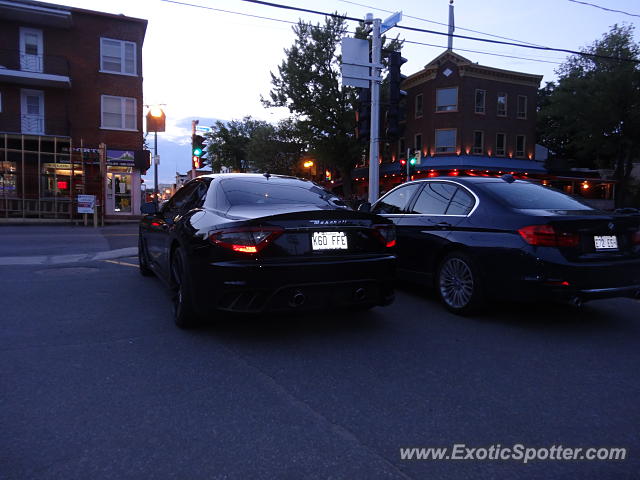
155 166
374 145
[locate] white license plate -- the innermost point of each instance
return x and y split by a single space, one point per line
606 242
329 241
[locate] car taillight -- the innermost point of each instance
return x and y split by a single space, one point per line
547 236
245 239
386 234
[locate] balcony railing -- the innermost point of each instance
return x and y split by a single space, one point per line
32 124
48 64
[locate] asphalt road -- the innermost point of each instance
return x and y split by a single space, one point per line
96 382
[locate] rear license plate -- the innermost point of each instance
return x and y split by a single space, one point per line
606 242
329 241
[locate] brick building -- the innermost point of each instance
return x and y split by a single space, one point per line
70 110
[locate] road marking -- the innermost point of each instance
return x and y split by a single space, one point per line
121 263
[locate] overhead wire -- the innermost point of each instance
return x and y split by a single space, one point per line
605 8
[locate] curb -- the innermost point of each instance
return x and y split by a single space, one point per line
62 259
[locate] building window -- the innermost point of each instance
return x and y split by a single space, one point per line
480 100
117 56
447 99
520 144
403 147
502 104
446 140
501 140
522 106
418 106
478 142
118 113
418 141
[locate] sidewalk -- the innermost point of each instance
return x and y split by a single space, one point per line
54 244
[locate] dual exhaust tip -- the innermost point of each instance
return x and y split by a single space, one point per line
299 298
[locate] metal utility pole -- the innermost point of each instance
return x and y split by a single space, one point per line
194 123
374 146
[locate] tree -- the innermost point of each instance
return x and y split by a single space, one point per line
228 143
592 114
308 84
276 149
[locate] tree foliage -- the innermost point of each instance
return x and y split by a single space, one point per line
592 114
276 148
228 143
308 84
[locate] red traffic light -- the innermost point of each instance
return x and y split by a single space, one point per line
196 162
403 162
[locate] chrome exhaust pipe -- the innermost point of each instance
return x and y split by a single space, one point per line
297 299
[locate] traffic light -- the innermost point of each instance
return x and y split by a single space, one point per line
197 145
363 114
396 96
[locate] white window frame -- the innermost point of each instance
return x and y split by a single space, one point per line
477 150
506 104
122 113
504 145
447 148
30 62
122 43
447 108
483 109
521 153
522 115
419 113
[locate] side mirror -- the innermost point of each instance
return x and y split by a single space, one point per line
364 207
149 208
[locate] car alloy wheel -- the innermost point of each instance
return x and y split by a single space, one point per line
458 284
143 259
183 313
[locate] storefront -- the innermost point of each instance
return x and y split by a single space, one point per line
122 192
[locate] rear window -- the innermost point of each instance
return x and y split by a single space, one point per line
531 196
277 192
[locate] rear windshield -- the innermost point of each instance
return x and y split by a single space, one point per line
277 192
532 196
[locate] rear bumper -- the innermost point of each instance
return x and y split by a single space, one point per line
252 286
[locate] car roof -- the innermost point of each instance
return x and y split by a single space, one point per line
471 180
252 176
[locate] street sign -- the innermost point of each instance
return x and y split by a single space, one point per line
200 128
86 203
355 62
156 159
391 22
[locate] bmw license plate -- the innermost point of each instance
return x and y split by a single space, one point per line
606 242
329 241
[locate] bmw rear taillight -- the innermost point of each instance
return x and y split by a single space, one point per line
386 234
547 236
245 239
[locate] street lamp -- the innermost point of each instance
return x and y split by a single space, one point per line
156 120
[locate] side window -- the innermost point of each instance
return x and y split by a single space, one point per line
180 199
396 200
434 198
461 203
197 199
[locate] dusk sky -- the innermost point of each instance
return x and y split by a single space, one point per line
210 64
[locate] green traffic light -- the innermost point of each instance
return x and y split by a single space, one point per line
197 151
413 161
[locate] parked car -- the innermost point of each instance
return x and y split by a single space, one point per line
256 243
477 238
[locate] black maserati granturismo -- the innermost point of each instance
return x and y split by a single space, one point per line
265 243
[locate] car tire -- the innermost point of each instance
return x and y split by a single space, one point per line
184 314
143 259
458 284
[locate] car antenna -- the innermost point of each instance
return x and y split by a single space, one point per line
267 175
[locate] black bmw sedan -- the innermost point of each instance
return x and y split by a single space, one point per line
476 238
256 243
